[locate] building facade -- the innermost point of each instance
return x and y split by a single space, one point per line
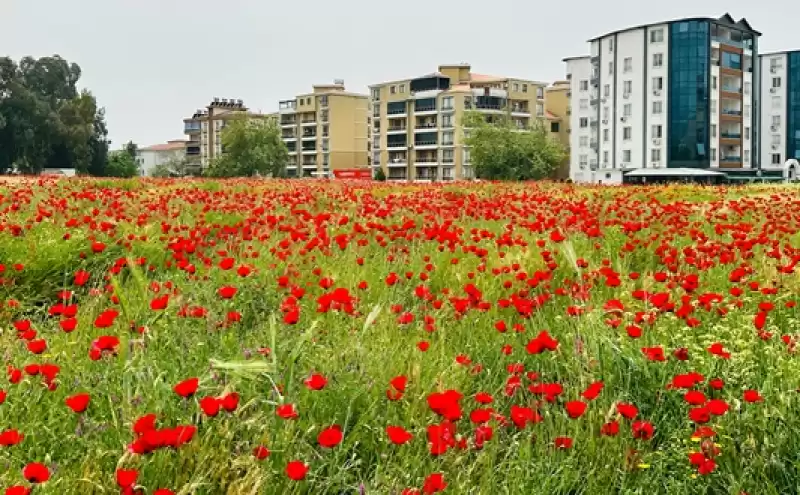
204 129
780 108
325 130
416 123
557 110
149 158
678 94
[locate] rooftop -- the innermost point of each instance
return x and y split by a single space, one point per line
725 19
169 146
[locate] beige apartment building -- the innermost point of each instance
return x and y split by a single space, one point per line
325 130
557 110
204 129
416 122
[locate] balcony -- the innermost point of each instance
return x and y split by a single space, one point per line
288 122
425 144
396 129
730 135
397 174
287 106
425 126
191 128
308 122
397 145
520 111
396 109
400 163
192 150
309 136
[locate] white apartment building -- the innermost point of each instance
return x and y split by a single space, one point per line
780 111
677 94
149 158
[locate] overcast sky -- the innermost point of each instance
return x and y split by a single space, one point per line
153 62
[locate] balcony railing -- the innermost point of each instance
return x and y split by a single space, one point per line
288 122
729 159
484 106
309 121
728 135
731 112
425 109
731 89
396 111
396 129
188 129
427 142
426 125
727 41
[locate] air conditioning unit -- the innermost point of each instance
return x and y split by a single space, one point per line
656 141
774 128
776 146
773 90
605 121
657 92
624 119
773 69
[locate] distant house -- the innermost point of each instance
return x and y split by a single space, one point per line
62 172
149 158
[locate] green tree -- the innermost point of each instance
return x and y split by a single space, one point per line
120 164
380 175
177 167
98 146
251 146
501 151
132 149
44 120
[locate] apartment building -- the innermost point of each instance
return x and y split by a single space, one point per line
780 111
677 94
204 129
325 130
416 122
152 156
557 111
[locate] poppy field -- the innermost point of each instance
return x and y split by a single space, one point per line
246 337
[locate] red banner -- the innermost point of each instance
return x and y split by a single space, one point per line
353 173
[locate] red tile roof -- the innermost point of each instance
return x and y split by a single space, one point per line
170 146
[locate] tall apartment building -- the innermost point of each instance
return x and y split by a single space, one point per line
780 110
677 94
416 122
325 130
204 129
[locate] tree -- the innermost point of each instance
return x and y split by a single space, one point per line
44 120
132 149
251 146
380 175
120 164
177 167
502 151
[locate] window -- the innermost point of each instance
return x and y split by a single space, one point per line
584 85
776 158
402 88
657 107
658 83
776 120
732 60
447 103
606 90
516 87
655 155
611 68
747 133
524 88
605 157
447 138
540 93
626 156
713 130
627 87
657 131
626 133
584 103
747 88
656 36
627 109
467 155
776 140
605 113
447 156
583 141
605 135
583 160
713 82
713 106
611 45
774 63
393 89
583 123
776 102
627 64
776 82
747 156
713 154
447 121
553 126
658 60
539 110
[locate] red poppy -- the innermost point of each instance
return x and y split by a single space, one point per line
36 473
316 382
9 438
398 435
186 388
296 470
752 396
126 478
575 408
261 452
287 411
434 483
78 402
330 437
210 406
